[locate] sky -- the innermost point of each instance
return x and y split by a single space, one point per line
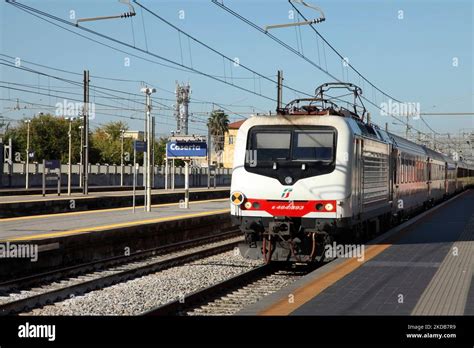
417 51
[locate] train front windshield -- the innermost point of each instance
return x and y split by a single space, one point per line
300 145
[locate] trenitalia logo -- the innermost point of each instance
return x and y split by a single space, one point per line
286 193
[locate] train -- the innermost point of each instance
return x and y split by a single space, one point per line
318 172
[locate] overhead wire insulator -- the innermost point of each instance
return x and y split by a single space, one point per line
128 14
306 22
131 13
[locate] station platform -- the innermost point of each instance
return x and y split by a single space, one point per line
24 206
38 197
67 239
421 267
19 191
40 227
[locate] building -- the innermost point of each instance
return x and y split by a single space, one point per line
229 143
135 135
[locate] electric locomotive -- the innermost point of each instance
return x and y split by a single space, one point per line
316 172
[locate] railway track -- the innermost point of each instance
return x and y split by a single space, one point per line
230 296
225 297
30 292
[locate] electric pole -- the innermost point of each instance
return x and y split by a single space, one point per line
85 165
27 171
80 155
280 91
69 167
208 156
148 91
122 131
153 151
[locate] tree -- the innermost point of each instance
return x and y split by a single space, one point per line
48 138
218 124
107 140
160 151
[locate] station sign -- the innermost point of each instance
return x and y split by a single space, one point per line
52 164
186 149
139 146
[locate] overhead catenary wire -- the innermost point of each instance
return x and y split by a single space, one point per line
98 88
355 71
40 14
288 47
224 57
274 38
139 97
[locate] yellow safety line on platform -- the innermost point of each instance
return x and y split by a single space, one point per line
310 290
72 213
316 286
118 225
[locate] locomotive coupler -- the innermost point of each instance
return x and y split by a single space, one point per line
281 228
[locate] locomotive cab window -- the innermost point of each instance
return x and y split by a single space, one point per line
296 152
272 146
313 146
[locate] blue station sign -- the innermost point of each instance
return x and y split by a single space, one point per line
177 149
139 146
52 164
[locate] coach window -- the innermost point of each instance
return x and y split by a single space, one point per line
404 170
410 163
420 170
401 170
417 170
410 171
402 167
407 163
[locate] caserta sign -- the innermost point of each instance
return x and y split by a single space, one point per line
177 149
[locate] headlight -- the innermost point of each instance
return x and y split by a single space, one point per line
248 205
329 207
237 198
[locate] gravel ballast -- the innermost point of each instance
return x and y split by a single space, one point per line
142 294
